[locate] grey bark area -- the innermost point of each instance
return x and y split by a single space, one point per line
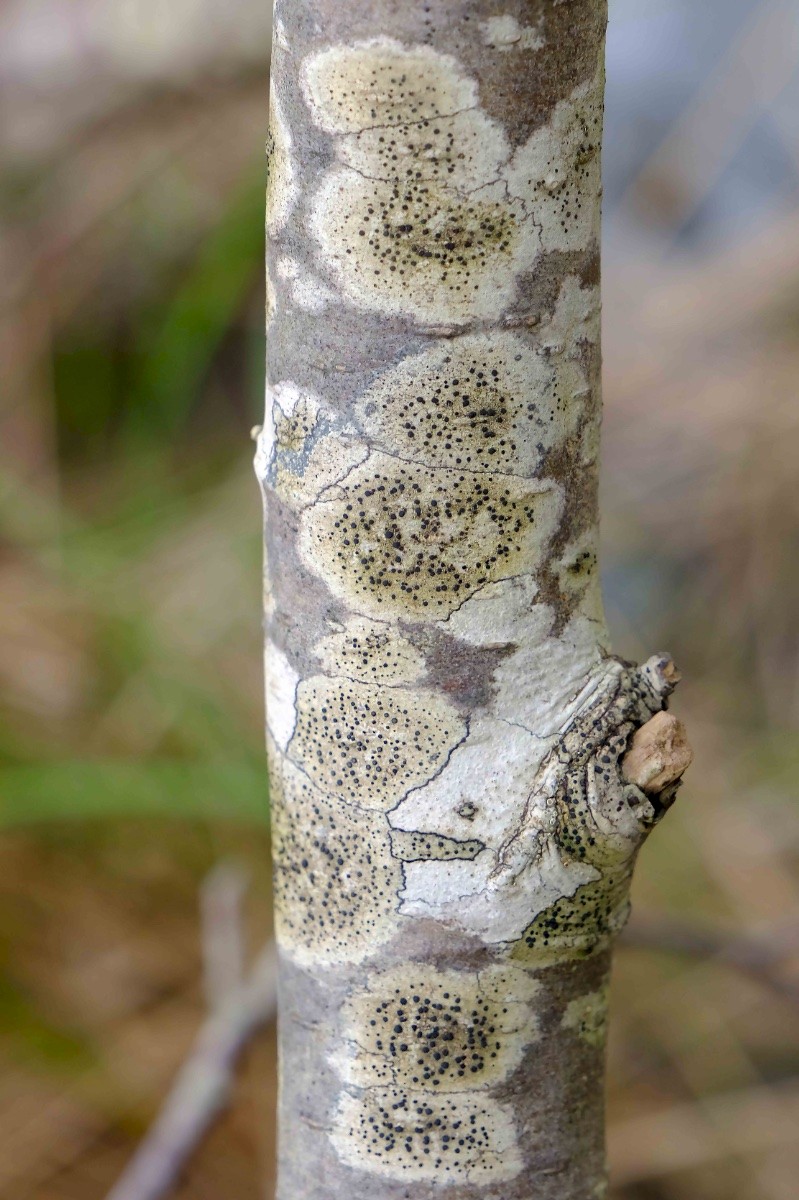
461 771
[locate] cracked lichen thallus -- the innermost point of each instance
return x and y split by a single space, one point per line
453 829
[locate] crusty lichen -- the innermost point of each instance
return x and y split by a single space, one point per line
448 729
435 1030
383 83
411 1135
300 452
370 652
557 172
481 794
575 319
281 187
560 830
544 678
368 744
414 220
578 576
422 250
587 1016
335 881
427 213
486 402
400 540
306 290
503 32
281 694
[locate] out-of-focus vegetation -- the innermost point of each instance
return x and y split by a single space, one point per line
131 747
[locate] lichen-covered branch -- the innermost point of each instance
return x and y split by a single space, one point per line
462 773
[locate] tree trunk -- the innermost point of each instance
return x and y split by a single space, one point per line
454 824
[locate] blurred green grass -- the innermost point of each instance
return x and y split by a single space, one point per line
137 549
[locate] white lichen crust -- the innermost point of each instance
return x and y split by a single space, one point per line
420 1027
411 1135
368 744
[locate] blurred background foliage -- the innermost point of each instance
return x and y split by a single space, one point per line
131 761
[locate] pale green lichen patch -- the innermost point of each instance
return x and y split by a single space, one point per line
416 221
335 882
587 1016
557 172
281 187
437 1031
575 926
381 82
397 539
370 652
421 249
298 454
368 744
484 401
408 1135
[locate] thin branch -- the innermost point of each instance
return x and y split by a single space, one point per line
221 897
202 1087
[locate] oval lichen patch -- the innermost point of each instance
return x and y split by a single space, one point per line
410 1135
368 744
487 402
397 539
370 652
421 249
383 83
438 1031
335 881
